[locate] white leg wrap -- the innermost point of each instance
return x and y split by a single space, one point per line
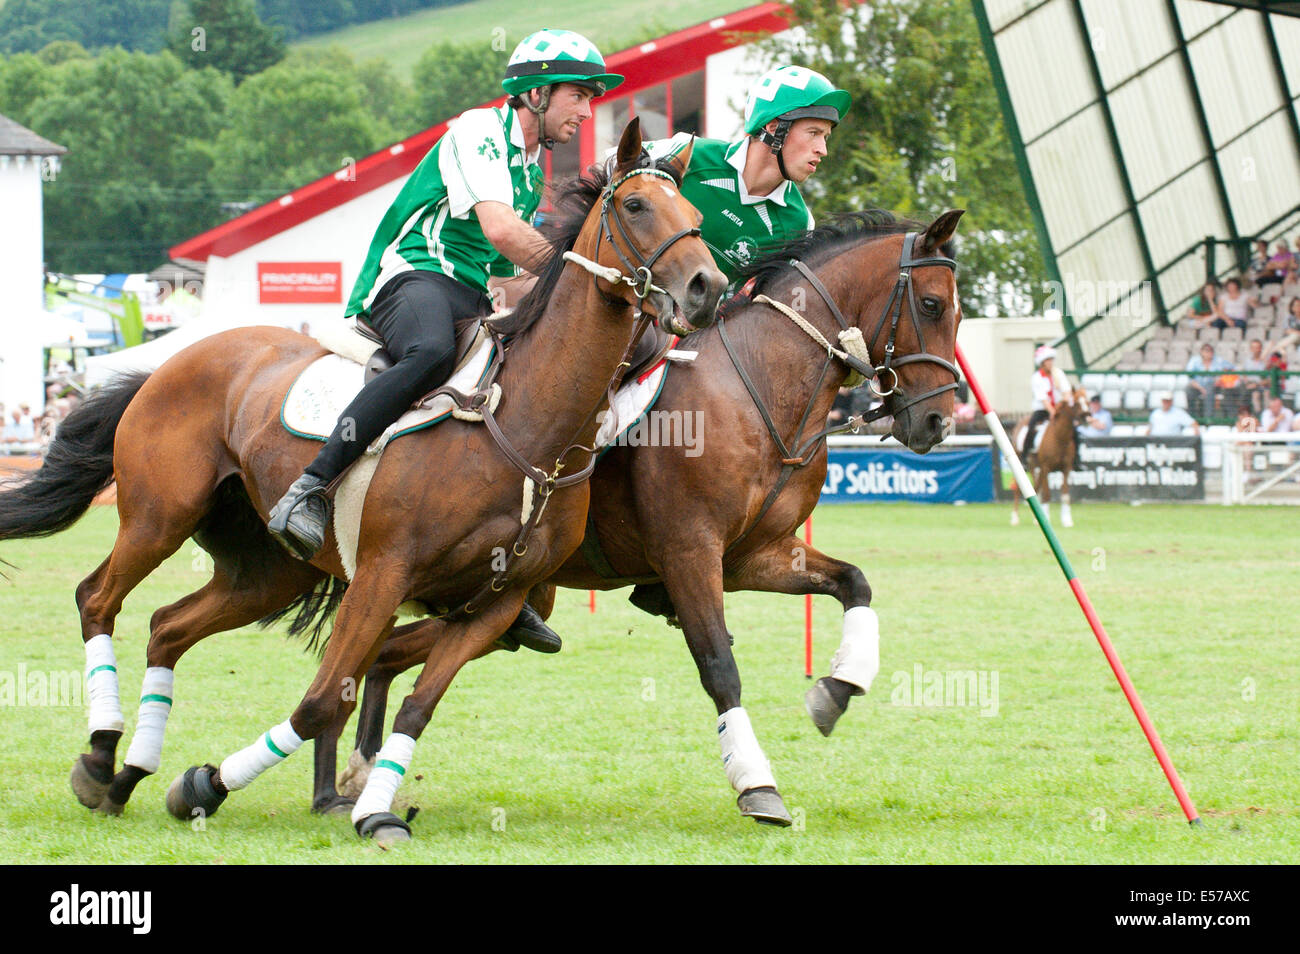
151 722
390 766
858 659
248 763
101 684
744 761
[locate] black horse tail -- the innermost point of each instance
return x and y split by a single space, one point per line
78 465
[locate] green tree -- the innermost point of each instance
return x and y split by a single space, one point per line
225 35
29 25
291 124
135 179
925 134
450 78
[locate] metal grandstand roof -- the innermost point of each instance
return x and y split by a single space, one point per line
1142 128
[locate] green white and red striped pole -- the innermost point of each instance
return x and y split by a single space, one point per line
1130 693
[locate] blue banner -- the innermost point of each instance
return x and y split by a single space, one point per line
857 474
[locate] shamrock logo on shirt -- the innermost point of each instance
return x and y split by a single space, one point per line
489 148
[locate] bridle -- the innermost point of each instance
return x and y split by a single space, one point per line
643 281
903 290
797 455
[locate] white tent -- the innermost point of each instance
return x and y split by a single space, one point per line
150 355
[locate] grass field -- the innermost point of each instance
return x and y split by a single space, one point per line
401 41
607 752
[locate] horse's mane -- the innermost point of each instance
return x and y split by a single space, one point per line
825 242
573 200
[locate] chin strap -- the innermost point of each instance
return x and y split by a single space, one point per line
543 102
776 142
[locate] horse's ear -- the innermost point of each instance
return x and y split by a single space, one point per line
629 146
941 230
681 161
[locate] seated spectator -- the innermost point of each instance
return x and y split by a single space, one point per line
1099 420
1232 308
1256 385
1246 423
1202 386
1204 306
1274 273
1170 421
20 429
1277 418
1291 337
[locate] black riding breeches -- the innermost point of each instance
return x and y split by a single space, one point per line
416 314
1035 419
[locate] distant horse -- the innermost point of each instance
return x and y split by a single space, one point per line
1056 453
687 528
197 448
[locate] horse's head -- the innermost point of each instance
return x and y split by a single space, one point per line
912 340
645 229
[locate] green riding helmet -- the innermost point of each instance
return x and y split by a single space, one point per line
788 93
548 57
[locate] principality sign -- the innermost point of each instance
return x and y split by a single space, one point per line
310 283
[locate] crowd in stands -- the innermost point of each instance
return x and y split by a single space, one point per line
1215 362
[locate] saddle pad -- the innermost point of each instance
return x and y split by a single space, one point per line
327 386
632 402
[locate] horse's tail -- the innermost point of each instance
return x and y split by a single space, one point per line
78 465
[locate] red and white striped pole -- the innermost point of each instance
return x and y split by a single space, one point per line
1130 693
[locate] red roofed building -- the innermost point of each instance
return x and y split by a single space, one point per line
294 259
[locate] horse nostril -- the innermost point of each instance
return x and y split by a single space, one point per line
698 288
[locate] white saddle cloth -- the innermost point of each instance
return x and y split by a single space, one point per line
324 390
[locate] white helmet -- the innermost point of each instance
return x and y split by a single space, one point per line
1042 354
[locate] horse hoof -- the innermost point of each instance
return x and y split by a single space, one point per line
1067 521
338 805
109 807
90 791
355 775
823 707
192 793
765 806
1015 520
385 828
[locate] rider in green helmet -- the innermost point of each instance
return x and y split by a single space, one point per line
747 190
465 214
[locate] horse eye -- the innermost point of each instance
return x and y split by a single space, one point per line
633 204
930 306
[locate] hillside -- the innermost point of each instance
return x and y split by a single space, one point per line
610 25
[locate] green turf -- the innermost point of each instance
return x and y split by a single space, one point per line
401 41
607 752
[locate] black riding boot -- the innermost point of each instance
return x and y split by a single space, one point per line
531 631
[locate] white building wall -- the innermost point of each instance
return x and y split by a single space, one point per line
230 292
22 283
1000 352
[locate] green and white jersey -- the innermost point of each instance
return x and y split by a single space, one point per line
738 227
431 224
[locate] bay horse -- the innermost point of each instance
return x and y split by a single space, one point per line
197 448
1056 453
687 528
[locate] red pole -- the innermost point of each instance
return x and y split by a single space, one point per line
592 599
1112 657
807 612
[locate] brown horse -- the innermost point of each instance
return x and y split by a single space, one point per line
197 448
686 528
1056 453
